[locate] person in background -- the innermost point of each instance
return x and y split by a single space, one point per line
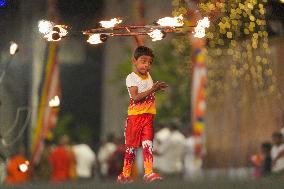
267 161
18 168
106 151
193 156
171 153
60 161
277 154
43 168
262 161
85 160
161 136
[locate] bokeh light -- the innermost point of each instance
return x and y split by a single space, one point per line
3 3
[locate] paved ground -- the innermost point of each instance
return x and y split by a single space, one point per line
168 184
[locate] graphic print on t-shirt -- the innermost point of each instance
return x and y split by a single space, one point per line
147 105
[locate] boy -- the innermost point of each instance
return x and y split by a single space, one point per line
141 111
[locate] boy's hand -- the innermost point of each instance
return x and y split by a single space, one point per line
159 86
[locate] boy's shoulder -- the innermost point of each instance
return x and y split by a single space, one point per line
134 77
131 76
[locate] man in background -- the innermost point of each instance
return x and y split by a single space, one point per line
85 160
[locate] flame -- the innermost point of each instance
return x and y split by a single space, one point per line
45 26
49 36
156 35
110 23
55 102
176 21
62 30
205 23
58 31
94 39
199 30
14 48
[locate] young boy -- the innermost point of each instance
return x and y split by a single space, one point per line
141 111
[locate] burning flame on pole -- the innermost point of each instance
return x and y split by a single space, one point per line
61 29
199 30
51 31
97 38
110 23
58 31
55 102
171 21
156 35
52 36
94 39
45 26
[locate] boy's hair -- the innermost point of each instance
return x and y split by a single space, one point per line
142 50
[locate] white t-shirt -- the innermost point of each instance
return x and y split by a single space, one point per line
85 158
172 151
104 154
134 80
279 166
146 105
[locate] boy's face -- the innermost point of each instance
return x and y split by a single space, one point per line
143 64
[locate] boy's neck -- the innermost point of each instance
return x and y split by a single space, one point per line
140 75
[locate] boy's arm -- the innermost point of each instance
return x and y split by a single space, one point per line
139 96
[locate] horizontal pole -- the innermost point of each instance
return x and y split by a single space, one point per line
129 27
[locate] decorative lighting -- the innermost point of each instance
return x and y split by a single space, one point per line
14 48
55 102
23 167
3 3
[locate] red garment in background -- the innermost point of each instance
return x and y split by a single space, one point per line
60 162
14 175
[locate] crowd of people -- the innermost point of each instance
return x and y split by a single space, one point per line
176 155
270 160
58 163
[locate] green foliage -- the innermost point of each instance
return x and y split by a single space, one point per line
171 65
238 56
76 131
